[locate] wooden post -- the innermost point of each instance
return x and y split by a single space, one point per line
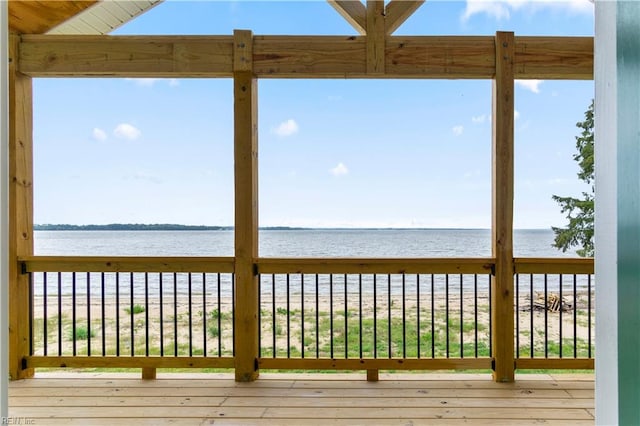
246 207
502 210
376 37
148 373
20 210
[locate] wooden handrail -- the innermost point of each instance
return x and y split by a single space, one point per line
126 264
375 266
525 265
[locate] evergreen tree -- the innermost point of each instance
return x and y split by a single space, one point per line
580 211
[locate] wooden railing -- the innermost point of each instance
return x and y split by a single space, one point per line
327 314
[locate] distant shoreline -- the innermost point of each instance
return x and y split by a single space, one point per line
178 227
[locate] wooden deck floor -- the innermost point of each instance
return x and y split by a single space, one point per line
299 399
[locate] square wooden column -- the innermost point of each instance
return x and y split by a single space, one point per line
246 208
502 312
20 210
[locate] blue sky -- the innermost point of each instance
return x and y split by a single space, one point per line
333 153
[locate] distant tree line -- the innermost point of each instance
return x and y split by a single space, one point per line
143 227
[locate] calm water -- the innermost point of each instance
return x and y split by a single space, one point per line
294 243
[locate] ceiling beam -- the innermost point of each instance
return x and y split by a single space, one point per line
427 57
398 11
353 11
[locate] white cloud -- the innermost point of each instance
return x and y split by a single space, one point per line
496 9
479 119
286 128
99 134
339 170
516 114
532 85
149 82
126 131
502 9
457 130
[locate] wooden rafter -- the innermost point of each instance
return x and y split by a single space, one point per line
376 40
353 11
398 11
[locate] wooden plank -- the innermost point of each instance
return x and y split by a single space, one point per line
247 289
37 17
149 373
554 58
118 401
376 37
127 362
375 364
309 56
134 56
113 414
398 11
282 392
440 57
404 402
353 12
554 265
20 209
127 264
556 363
374 266
300 56
422 413
502 209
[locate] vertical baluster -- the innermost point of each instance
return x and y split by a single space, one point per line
346 319
146 314
31 296
175 314
288 316
546 317
331 315
404 317
517 315
117 313
88 314
389 342
131 314
317 320
59 313
219 319
360 313
302 312
461 321
102 315
589 313
273 312
190 289
433 317
418 315
73 314
161 295
204 314
446 303
575 316
531 330
560 318
475 313
45 314
490 318
375 316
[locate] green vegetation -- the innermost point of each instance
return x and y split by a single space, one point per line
82 333
580 211
137 309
